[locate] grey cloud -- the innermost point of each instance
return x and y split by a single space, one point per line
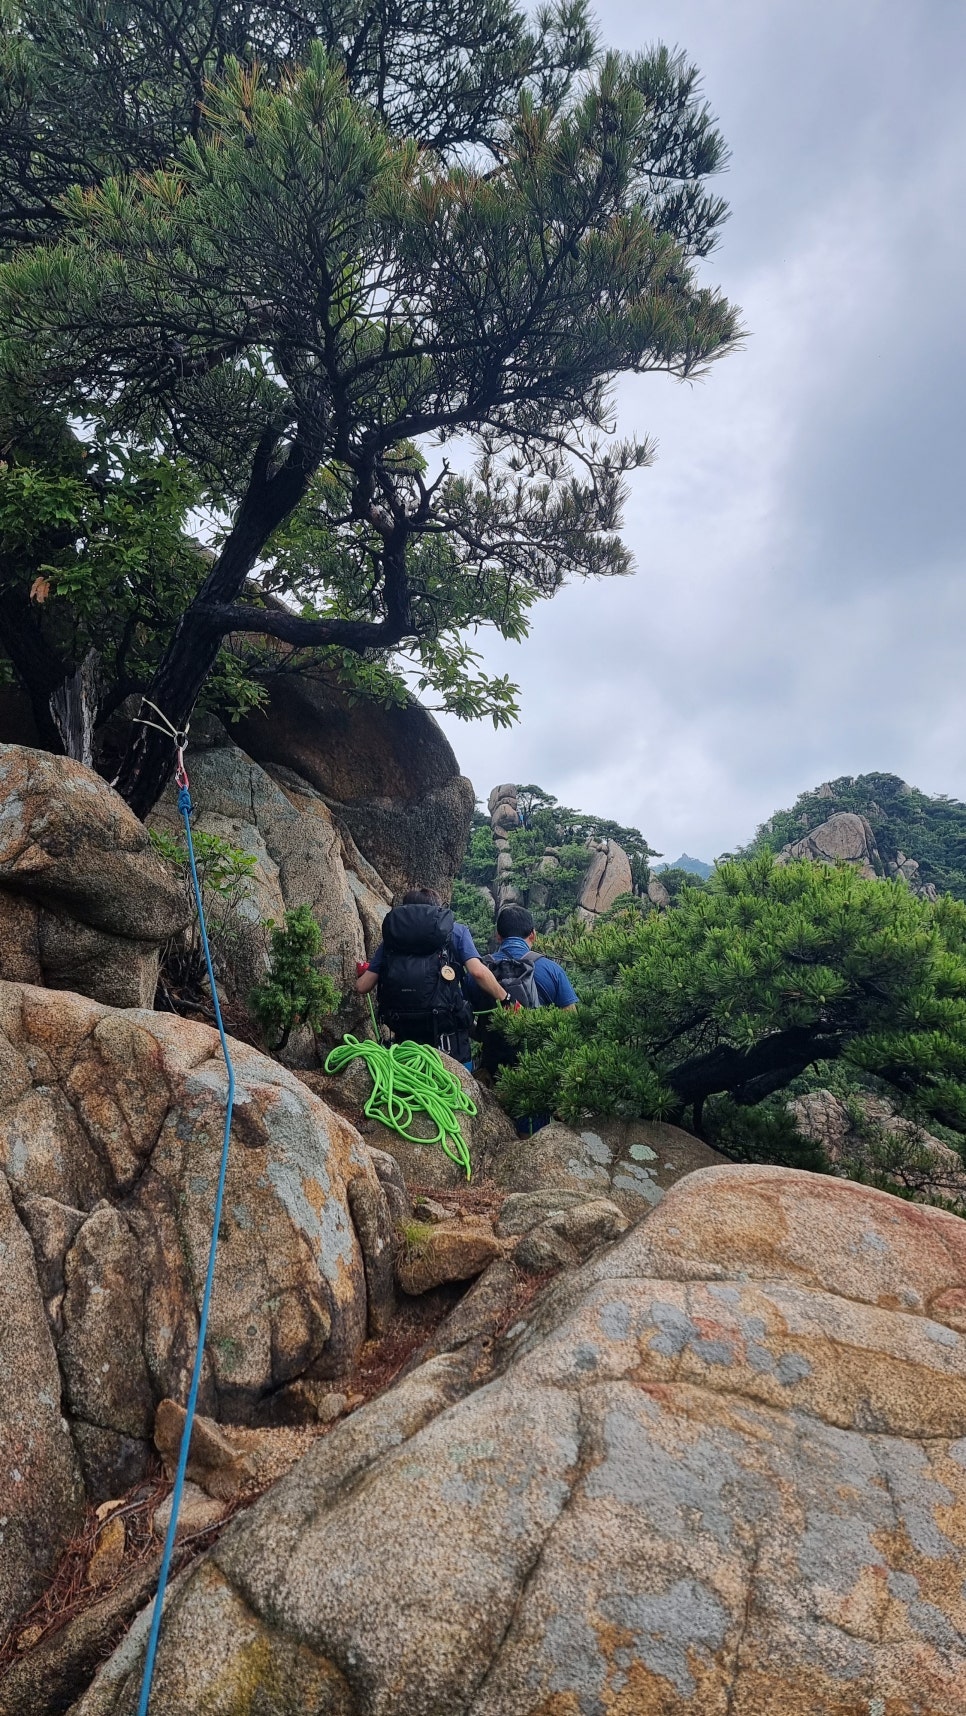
800 607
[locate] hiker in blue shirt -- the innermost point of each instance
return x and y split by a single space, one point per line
420 968
532 980
516 935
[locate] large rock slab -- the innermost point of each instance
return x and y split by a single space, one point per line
845 838
389 774
85 902
720 1469
41 1494
303 858
110 1134
632 1162
608 877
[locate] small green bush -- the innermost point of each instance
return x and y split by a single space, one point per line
224 876
295 991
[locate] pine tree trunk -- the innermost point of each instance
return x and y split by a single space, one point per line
150 756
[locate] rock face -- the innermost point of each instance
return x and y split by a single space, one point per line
608 873
609 876
504 815
631 1161
658 894
869 1137
85 903
721 1468
304 858
389 775
110 1134
41 1494
844 838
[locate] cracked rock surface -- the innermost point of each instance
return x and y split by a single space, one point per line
721 1468
110 1134
85 902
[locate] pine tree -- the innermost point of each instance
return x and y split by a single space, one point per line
744 984
304 274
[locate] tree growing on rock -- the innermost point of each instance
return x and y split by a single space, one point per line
745 984
551 852
290 253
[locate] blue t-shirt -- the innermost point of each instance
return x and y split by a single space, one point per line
553 985
460 941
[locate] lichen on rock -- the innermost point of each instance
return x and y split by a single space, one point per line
721 1467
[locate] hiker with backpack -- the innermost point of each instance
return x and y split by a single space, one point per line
531 980
418 970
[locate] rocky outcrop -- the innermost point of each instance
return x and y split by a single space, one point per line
908 869
608 866
85 903
720 1468
658 894
110 1134
609 876
389 775
303 856
504 815
865 1138
632 1162
558 1228
847 838
844 839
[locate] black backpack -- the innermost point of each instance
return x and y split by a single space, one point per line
517 978
420 994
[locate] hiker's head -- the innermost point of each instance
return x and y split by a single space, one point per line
422 897
515 920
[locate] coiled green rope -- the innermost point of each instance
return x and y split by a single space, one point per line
407 1077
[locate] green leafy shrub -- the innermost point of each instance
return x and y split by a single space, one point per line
471 908
743 986
766 1133
295 991
224 876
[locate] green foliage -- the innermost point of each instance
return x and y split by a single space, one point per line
676 881
416 1238
897 1159
479 865
550 854
932 830
224 876
286 252
470 908
223 869
295 991
766 1133
745 984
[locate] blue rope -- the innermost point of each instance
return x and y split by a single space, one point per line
184 805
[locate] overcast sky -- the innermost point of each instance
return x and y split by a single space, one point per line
799 606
